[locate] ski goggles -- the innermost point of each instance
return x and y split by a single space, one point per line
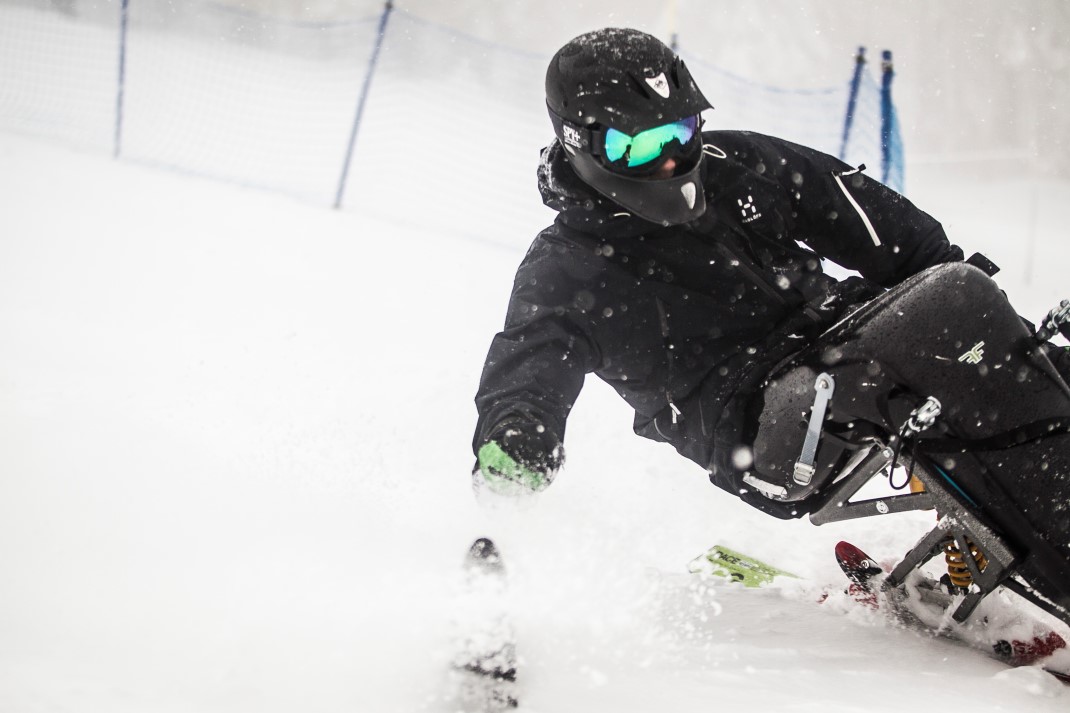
623 150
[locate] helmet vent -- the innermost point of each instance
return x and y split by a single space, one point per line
639 86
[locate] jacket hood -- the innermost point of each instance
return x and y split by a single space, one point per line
578 205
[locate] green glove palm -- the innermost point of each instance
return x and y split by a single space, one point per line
503 474
518 460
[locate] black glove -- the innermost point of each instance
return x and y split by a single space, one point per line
519 457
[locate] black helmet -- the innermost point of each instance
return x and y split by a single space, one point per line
604 89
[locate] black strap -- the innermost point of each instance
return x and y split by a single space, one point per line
982 263
1008 439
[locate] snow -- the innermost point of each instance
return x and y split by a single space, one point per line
234 472
236 478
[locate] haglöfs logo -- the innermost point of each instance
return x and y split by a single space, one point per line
750 212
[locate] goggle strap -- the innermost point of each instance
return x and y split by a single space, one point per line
575 136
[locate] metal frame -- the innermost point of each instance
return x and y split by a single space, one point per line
836 504
955 523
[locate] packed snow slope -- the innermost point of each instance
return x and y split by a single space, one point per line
234 475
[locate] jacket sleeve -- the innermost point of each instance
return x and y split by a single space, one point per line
856 221
536 365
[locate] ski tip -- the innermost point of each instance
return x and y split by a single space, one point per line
483 548
846 552
484 553
855 563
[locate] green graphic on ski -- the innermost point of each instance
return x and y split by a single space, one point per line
921 604
720 561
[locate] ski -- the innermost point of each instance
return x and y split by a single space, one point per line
720 561
483 669
1002 632
999 629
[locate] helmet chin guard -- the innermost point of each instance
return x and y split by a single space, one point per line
631 82
666 201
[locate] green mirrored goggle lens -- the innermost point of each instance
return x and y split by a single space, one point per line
647 145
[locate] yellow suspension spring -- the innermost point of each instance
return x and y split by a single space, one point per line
957 569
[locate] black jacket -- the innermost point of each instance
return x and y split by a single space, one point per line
678 319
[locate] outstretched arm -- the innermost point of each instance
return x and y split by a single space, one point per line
533 373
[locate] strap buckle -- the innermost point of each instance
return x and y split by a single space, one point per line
1057 321
804 471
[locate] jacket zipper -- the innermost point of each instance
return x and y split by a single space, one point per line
755 277
751 273
854 204
663 318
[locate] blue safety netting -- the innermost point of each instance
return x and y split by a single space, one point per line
211 88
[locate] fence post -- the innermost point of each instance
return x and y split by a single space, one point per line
887 115
123 18
852 100
674 37
362 101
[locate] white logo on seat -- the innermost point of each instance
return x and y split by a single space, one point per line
660 85
975 354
